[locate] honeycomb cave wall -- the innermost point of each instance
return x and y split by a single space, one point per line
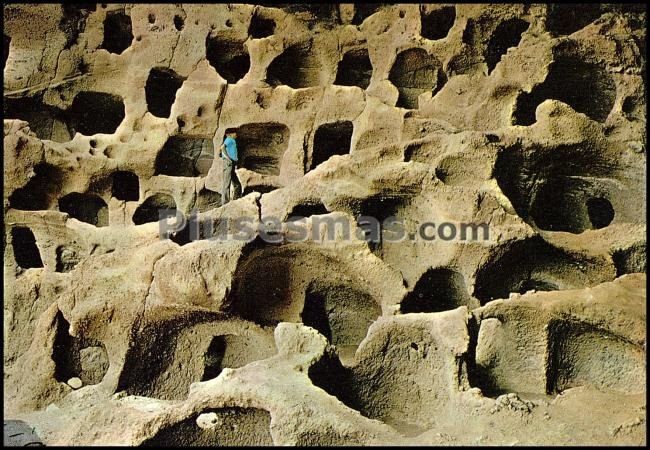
126 326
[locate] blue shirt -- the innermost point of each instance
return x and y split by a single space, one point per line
231 148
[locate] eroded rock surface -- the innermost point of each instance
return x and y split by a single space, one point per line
527 121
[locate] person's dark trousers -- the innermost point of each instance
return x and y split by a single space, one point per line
229 176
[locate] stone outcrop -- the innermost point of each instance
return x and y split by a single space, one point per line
509 140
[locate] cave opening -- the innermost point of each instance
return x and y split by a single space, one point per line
586 87
83 358
354 69
228 351
530 264
381 206
126 186
118 33
229 58
262 146
179 22
213 358
437 23
600 212
160 90
182 236
555 196
154 208
261 27
297 67
26 251
566 204
302 210
40 191
6 44
87 208
437 290
96 112
207 200
331 139
277 265
341 313
183 156
47 122
507 34
567 18
364 10
630 260
582 354
415 72
66 366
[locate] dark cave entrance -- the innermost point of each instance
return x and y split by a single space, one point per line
631 260
582 354
179 22
436 24
226 351
118 33
87 208
302 210
73 21
96 112
40 191
149 210
331 139
229 58
184 157
261 27
600 212
160 90
26 251
90 113
341 313
126 186
354 69
506 35
566 204
437 290
567 18
86 359
364 10
297 67
47 122
261 146
6 43
214 357
525 265
586 87
415 72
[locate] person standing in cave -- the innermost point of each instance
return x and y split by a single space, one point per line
230 158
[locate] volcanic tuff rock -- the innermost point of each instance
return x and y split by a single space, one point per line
529 119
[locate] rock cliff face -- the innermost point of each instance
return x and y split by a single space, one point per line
509 140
